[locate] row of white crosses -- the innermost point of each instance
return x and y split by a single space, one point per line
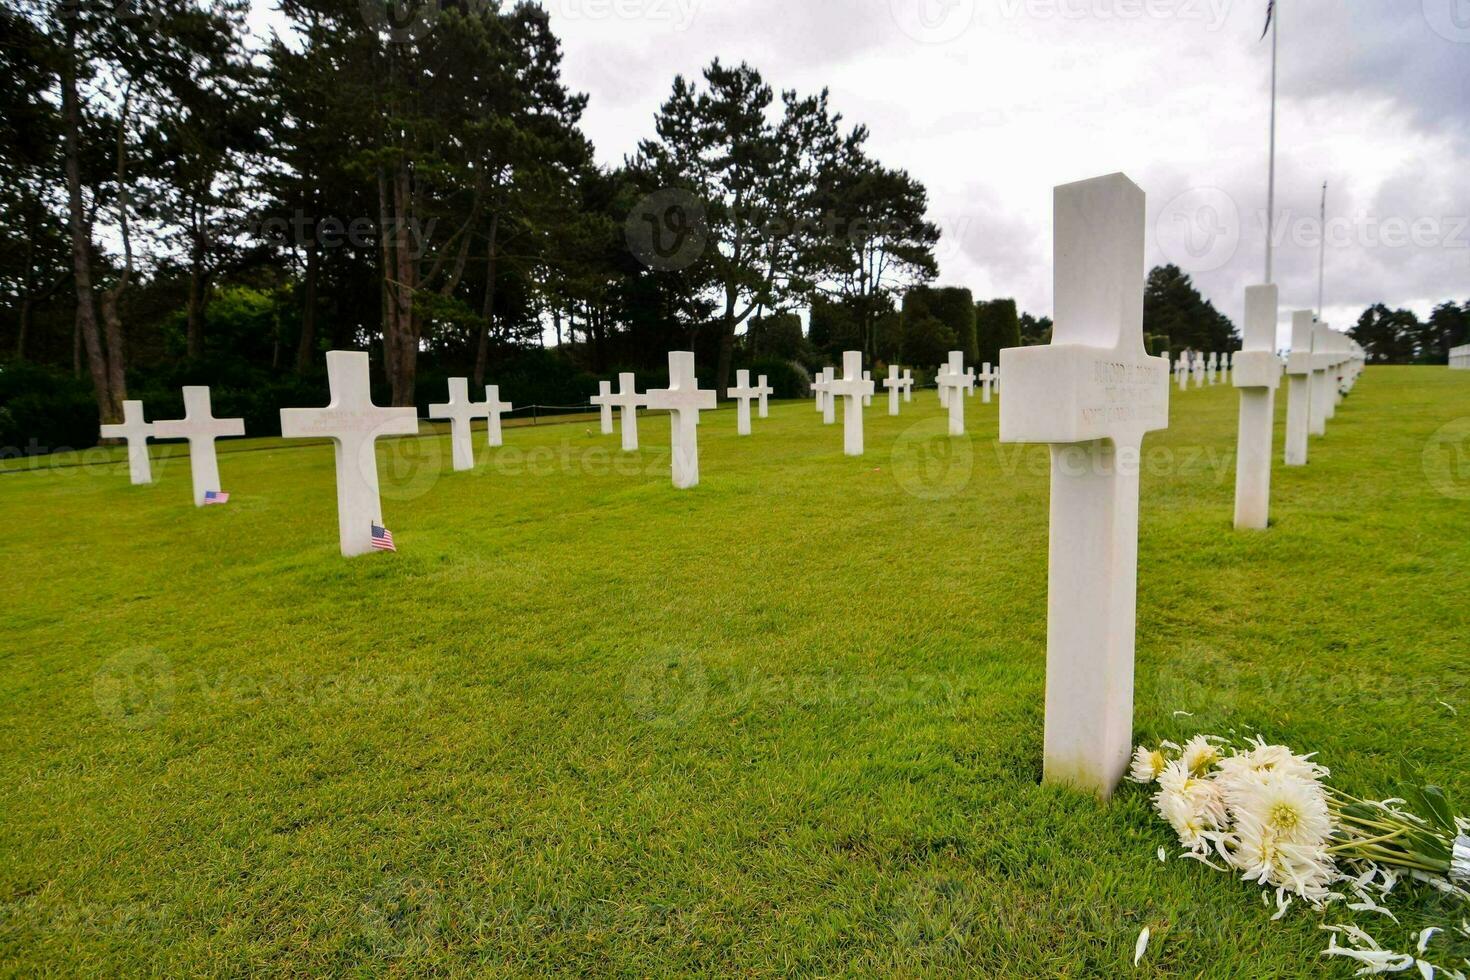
744 393
896 383
1203 369
354 424
198 426
1323 366
461 412
1460 358
857 386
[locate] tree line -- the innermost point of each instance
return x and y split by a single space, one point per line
423 189
190 203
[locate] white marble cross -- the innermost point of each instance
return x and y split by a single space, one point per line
493 409
940 387
1199 370
1299 387
1335 357
136 432
684 400
461 412
956 380
201 428
354 424
1091 394
1321 381
603 398
868 377
894 384
1257 375
829 400
764 390
856 387
743 394
628 401
986 377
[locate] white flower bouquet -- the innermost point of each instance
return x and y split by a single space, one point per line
1270 814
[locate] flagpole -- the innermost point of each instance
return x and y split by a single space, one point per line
1322 258
1271 175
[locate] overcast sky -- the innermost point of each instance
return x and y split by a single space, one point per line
992 102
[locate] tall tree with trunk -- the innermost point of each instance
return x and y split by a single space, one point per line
718 147
112 71
879 241
34 262
208 136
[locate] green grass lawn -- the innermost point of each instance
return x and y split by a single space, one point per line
788 722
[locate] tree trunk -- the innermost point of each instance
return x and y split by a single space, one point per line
406 352
727 345
598 335
112 298
556 319
306 349
482 350
385 249
24 328
195 316
116 371
108 407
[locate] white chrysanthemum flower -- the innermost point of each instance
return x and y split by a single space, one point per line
1281 834
1238 771
1201 755
1147 765
1193 806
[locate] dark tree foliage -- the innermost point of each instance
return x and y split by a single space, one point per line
1035 330
997 326
1395 337
1180 318
952 306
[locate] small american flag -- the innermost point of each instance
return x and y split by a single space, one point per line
383 539
216 497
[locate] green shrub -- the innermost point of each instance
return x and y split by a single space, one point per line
952 306
788 378
997 326
43 410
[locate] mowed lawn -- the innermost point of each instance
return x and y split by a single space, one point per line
788 722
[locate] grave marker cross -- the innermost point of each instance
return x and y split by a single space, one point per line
136 432
764 390
354 424
493 409
603 399
955 380
628 401
894 384
460 412
856 388
1091 394
684 400
1257 374
201 428
743 394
